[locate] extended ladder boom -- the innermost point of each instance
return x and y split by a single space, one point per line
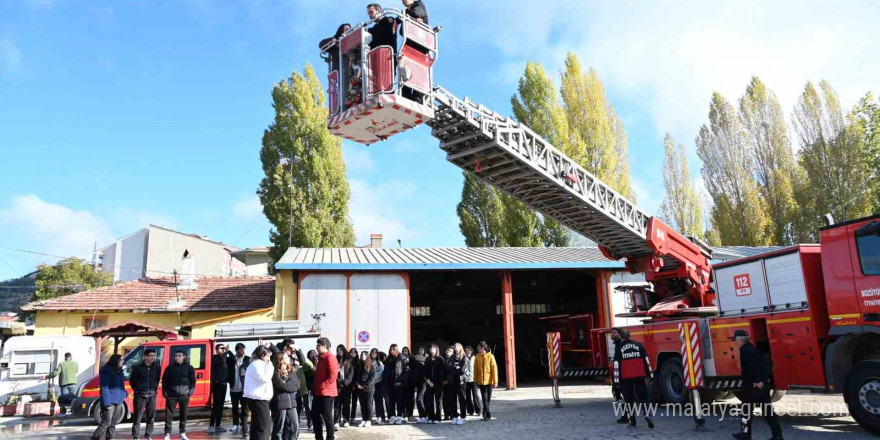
512 158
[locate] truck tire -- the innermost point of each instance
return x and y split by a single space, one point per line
671 382
96 413
862 395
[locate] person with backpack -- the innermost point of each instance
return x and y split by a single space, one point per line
113 394
178 385
485 376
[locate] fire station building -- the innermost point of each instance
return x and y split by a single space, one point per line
372 297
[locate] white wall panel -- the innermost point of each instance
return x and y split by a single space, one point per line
325 293
385 302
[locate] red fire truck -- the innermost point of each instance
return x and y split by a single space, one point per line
813 309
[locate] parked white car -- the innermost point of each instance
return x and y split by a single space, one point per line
27 359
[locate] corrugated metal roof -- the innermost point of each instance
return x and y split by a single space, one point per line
445 259
727 253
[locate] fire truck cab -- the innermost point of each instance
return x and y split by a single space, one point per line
375 92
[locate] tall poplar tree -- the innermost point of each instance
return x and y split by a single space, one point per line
776 171
739 214
596 135
480 214
304 192
867 113
681 206
834 157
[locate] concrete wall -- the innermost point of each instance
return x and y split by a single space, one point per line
165 252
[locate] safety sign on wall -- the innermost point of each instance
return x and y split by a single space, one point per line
363 340
742 284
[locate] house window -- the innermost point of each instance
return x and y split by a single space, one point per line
90 322
420 311
525 309
29 363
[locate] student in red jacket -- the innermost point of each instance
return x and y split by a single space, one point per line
324 390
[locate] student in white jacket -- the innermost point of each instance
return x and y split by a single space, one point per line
258 391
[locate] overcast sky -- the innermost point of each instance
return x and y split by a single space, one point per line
117 114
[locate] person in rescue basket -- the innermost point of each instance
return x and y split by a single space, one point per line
178 385
144 383
448 391
341 354
324 390
631 368
333 49
378 398
219 380
418 381
416 9
388 384
409 389
365 387
756 387
384 32
400 381
435 375
349 406
458 380
615 387
112 397
258 390
238 365
285 384
473 399
485 376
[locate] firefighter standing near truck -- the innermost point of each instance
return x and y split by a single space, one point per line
755 387
615 387
631 369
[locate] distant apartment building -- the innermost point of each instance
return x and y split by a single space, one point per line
256 260
157 252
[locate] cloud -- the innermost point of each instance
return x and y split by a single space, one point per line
374 210
52 228
10 57
247 208
357 158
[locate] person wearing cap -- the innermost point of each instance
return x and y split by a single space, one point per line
631 369
755 387
219 380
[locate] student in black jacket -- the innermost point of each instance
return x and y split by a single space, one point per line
388 384
400 383
178 385
435 375
409 391
237 366
365 387
417 366
219 380
448 389
755 387
285 384
459 384
349 410
144 382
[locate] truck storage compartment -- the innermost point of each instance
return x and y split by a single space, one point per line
769 282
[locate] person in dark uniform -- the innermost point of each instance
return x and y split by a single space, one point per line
631 368
416 9
615 387
331 45
755 387
384 31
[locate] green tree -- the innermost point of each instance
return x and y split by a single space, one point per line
536 105
304 192
597 139
480 214
68 276
739 214
867 113
833 155
776 171
681 206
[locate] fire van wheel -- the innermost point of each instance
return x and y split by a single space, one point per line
671 380
862 395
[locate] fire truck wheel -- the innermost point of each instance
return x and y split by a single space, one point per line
671 382
862 395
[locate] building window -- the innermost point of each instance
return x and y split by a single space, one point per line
526 309
90 322
420 311
29 363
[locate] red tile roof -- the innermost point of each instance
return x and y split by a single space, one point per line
155 294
